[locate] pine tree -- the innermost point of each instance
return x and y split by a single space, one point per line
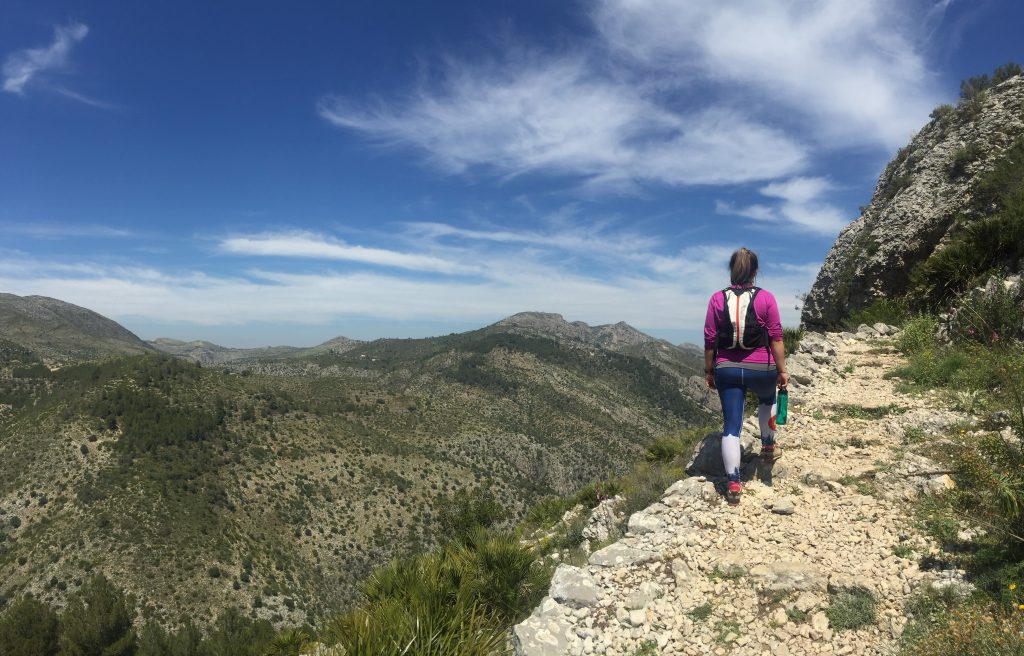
98 622
29 627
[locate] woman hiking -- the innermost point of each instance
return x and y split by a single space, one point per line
743 350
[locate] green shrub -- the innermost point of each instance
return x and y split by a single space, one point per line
963 157
457 600
852 608
942 111
791 339
595 493
1006 71
646 484
29 627
235 634
990 317
918 335
467 510
669 448
976 629
547 511
702 612
979 248
892 311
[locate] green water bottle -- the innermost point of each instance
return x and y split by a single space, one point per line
781 407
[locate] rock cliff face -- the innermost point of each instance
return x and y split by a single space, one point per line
922 197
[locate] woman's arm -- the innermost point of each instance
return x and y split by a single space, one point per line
779 353
710 339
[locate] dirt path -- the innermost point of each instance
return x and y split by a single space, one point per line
696 576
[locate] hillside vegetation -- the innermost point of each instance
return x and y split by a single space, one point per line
276 486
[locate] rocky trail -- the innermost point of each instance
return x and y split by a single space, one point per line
694 575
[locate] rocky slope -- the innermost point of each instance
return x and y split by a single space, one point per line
210 353
924 195
275 486
696 576
684 362
58 331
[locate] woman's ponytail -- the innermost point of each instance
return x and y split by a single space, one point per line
743 267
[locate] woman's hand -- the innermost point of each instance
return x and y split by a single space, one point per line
709 378
782 380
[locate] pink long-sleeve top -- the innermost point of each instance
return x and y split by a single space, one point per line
767 311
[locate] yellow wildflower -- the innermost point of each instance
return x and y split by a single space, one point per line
1013 586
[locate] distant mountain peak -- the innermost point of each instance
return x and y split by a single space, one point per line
550 324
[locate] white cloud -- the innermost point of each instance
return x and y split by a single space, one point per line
24 65
668 302
645 284
803 206
674 92
591 239
310 245
852 68
559 115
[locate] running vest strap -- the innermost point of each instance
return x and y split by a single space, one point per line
741 329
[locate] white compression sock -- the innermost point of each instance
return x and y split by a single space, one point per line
731 454
764 418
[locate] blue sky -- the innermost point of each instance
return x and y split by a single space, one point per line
255 173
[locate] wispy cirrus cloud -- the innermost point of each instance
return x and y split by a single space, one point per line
671 92
853 71
803 205
313 246
23 65
671 298
44 230
560 116
36 67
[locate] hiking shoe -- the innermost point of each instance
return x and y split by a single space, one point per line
771 452
733 493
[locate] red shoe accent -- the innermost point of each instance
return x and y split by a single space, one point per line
734 492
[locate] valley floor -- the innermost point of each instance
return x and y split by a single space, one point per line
785 570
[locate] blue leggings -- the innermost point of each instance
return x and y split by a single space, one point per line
732 384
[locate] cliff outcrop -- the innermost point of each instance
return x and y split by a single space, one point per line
924 195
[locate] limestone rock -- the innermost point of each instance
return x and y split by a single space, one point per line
689 489
620 555
784 506
573 587
546 632
729 563
603 520
647 593
915 206
782 575
642 522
